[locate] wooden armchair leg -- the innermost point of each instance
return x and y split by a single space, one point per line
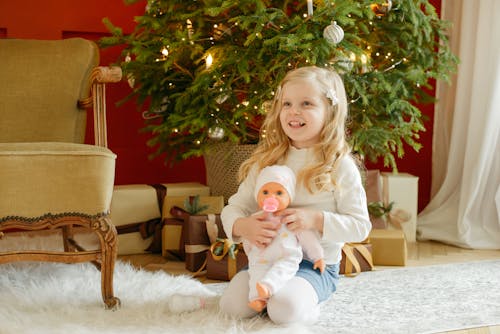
108 236
107 269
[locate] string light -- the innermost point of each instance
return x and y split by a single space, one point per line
209 60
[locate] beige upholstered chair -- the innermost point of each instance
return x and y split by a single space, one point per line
50 179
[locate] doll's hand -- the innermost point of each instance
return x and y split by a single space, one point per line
302 219
256 229
320 264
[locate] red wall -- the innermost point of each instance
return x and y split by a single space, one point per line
56 19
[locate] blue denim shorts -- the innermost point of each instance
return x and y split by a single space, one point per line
324 283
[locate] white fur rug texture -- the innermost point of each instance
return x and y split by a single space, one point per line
62 298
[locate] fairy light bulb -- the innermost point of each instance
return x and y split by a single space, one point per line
209 60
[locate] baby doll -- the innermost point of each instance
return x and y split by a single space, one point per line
271 267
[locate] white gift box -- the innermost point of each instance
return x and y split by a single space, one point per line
401 189
136 203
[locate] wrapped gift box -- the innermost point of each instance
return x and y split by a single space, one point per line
135 204
388 247
401 189
220 264
181 229
356 257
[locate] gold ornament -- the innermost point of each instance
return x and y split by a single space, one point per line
381 9
333 33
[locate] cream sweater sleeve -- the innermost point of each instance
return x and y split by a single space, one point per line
241 204
350 222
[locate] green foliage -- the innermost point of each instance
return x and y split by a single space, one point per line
377 209
254 43
193 206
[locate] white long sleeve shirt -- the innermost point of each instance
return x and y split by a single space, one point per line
344 209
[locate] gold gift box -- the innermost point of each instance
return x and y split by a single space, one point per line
388 247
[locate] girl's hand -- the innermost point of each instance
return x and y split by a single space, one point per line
302 219
256 229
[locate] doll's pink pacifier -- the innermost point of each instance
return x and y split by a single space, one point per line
270 204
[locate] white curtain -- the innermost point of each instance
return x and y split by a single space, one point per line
465 207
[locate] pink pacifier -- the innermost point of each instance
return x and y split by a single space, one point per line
270 204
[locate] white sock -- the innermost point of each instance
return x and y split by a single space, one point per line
183 303
296 302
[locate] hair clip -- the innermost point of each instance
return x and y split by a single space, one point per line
330 93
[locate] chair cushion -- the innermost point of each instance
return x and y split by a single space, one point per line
52 177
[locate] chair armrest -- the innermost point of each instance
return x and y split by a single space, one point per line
99 77
107 74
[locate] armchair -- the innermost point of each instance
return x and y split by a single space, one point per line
50 179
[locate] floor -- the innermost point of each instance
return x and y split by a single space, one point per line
419 254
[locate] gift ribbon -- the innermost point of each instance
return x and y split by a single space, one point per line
227 248
397 217
352 262
212 231
195 248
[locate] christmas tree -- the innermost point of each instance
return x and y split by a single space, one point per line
205 70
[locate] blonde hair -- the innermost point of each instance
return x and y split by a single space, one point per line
332 146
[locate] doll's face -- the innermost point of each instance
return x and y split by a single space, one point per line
276 191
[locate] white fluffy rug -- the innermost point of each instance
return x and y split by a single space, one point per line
60 298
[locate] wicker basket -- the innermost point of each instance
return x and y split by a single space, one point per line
222 164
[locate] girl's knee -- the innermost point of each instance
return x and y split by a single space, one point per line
295 303
281 311
234 301
284 311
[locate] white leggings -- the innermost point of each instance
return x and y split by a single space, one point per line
296 302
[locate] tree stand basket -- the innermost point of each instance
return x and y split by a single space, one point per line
222 163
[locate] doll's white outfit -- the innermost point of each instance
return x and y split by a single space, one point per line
275 264
279 261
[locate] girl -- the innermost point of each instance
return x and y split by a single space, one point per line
305 130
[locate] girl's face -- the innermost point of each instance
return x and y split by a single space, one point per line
303 112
